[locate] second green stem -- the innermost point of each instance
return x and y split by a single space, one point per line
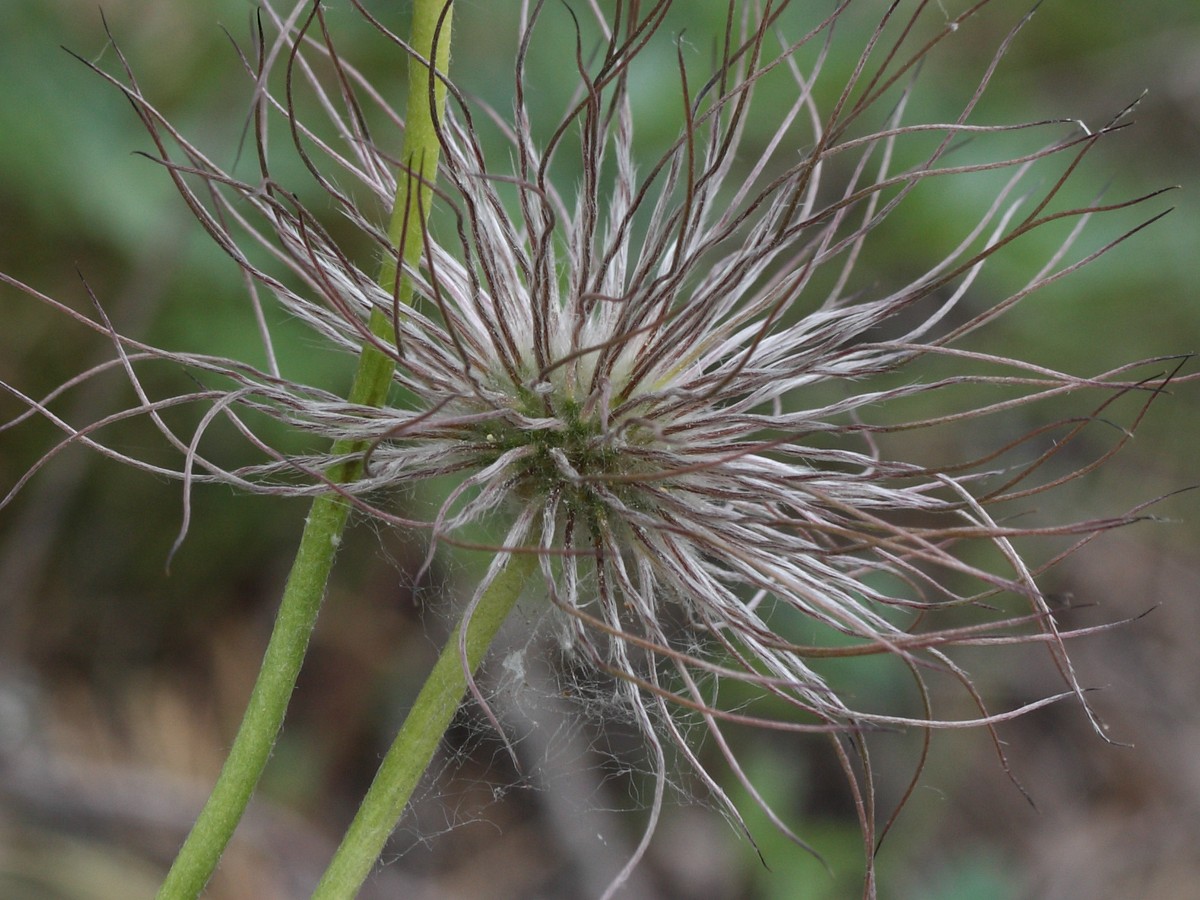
419 736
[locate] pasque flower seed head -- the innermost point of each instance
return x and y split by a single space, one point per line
663 375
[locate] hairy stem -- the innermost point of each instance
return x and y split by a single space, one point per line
305 588
419 736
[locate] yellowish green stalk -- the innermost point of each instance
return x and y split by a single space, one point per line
419 736
305 588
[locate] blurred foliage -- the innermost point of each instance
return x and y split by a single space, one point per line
87 610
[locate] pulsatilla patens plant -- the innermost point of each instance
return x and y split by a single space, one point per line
661 382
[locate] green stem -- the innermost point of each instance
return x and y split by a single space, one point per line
198 857
419 736
305 588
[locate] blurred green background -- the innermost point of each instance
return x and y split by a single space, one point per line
120 684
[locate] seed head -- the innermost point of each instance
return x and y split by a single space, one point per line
665 376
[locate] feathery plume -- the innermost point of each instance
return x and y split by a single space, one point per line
666 378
